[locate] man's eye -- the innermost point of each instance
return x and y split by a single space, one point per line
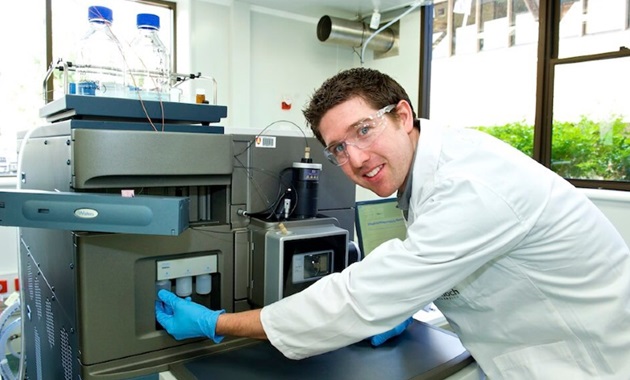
339 148
364 130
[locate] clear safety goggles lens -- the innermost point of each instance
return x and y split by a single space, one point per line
362 136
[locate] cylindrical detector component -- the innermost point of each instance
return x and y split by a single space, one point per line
183 286
353 33
306 183
203 284
162 284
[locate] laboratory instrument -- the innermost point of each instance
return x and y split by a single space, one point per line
114 206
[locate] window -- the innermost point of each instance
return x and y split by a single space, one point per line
566 108
22 72
483 72
590 130
592 26
22 76
591 135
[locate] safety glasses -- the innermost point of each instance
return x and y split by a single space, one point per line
363 134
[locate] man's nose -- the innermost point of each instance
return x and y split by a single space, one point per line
356 155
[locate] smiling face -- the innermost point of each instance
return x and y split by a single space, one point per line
383 166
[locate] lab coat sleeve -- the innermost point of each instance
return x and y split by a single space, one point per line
460 228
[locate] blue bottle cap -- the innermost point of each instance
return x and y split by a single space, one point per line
148 21
97 12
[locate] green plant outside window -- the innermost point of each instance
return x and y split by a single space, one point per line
580 150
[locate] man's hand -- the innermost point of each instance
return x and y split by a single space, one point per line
381 338
185 319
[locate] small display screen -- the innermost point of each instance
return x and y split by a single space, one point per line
378 221
311 265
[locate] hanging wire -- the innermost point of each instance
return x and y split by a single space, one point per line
288 191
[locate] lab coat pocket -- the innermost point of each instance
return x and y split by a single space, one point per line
547 361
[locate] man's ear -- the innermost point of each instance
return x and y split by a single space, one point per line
405 115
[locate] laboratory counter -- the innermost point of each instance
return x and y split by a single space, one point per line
423 352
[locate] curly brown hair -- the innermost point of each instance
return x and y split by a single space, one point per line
375 88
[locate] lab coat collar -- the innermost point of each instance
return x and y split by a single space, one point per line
427 157
424 165
405 196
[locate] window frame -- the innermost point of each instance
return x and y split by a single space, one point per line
548 52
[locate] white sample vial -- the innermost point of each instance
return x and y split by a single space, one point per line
183 286
162 284
203 284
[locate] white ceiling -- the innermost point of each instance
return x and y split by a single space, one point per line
335 8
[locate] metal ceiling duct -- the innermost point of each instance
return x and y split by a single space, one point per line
353 33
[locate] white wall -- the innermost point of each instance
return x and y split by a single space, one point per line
616 206
288 63
259 57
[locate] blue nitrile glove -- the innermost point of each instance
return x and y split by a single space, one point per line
185 319
381 338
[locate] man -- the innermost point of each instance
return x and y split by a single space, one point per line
529 273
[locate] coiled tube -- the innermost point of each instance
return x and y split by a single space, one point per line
6 331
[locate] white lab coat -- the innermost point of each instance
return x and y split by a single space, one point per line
529 273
